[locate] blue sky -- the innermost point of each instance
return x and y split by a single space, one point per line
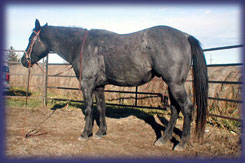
213 25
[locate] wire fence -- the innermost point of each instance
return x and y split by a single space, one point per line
163 99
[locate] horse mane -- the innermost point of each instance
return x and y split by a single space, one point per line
64 28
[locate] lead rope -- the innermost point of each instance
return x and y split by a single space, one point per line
28 56
28 80
54 74
35 132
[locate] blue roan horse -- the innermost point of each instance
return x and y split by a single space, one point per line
128 60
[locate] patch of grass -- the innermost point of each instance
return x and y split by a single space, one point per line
111 110
115 111
19 102
227 111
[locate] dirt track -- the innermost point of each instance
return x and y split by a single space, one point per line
130 133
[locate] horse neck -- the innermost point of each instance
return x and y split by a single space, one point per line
66 42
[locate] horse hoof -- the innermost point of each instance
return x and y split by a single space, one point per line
82 138
97 137
159 142
179 148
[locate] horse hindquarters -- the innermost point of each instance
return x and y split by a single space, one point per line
173 65
180 101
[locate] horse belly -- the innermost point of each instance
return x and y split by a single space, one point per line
130 79
125 72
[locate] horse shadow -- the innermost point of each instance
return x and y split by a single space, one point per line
119 112
124 112
113 112
58 106
13 92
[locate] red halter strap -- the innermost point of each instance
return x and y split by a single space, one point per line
28 52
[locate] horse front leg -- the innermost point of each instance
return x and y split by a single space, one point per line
87 89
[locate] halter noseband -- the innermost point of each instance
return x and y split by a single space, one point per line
28 52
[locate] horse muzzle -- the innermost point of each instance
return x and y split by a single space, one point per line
26 62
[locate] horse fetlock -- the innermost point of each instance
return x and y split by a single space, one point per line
101 131
86 134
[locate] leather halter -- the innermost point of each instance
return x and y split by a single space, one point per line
29 51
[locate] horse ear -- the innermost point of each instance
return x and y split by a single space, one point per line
37 25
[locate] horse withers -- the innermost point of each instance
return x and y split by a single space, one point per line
104 57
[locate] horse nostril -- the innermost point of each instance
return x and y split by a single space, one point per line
24 62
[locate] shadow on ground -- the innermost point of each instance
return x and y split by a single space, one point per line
17 93
113 112
123 112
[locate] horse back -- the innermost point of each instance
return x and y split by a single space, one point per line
134 59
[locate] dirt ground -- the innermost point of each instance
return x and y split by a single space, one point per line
130 134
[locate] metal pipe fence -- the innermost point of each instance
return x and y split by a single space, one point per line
164 99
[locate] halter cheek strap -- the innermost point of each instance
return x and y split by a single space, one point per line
38 37
29 51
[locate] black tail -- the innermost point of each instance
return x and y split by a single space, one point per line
200 85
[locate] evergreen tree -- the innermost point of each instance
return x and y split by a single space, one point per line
12 56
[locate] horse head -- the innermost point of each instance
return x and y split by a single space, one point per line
37 47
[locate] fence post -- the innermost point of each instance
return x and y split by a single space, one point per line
46 82
43 84
136 96
28 84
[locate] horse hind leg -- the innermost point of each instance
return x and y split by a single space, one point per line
100 100
180 96
174 107
187 112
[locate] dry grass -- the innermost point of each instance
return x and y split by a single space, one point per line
156 85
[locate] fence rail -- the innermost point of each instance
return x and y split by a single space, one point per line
136 92
223 48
